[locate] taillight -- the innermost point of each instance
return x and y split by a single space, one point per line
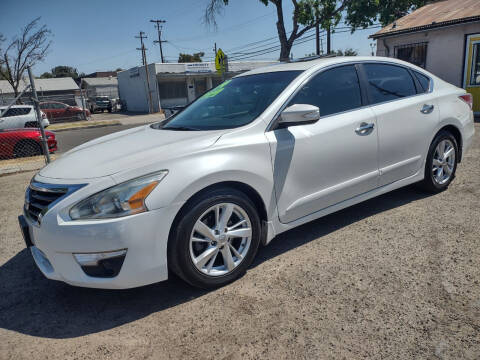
468 98
44 116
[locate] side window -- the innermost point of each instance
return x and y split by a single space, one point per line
388 82
423 80
333 91
17 111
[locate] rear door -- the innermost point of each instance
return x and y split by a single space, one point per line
321 164
406 115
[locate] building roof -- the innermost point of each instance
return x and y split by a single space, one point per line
101 81
56 84
437 14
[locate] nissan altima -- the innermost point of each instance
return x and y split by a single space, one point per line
262 153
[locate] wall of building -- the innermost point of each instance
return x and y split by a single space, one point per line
445 51
132 88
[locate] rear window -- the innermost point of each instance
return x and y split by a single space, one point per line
17 111
423 80
388 82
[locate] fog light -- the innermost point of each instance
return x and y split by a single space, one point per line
105 264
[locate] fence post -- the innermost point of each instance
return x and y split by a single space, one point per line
39 116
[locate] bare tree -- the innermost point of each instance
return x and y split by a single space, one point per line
27 49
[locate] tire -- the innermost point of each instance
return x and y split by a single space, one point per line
91 110
109 110
25 148
183 246
432 181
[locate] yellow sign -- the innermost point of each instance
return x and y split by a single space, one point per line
219 61
471 81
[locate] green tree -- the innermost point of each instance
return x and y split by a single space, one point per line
363 13
326 13
46 75
346 52
197 57
64 71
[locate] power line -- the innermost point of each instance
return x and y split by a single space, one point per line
303 39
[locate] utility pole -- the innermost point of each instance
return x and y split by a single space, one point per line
321 46
159 30
329 49
141 36
317 36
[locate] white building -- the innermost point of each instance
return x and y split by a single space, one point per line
174 84
56 89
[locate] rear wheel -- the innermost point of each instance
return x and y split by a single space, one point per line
441 162
216 239
26 148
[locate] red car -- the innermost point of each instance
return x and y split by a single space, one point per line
24 142
59 111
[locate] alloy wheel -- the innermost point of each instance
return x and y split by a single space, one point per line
220 239
443 162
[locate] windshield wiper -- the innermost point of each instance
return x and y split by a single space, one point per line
180 128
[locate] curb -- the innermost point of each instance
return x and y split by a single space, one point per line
84 127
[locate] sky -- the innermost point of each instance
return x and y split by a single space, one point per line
100 35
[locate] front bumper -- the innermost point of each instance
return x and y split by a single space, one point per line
144 237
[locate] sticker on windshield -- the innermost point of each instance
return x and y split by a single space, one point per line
216 91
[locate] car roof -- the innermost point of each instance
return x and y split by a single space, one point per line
316 64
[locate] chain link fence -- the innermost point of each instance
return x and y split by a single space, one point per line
22 127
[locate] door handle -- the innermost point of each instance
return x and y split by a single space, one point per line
364 128
427 109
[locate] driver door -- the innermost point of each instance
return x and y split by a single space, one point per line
332 160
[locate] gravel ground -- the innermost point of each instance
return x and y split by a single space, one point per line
395 277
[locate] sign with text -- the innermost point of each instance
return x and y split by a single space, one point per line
197 68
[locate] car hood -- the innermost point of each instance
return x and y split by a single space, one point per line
127 150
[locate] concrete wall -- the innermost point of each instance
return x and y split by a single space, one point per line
132 88
445 50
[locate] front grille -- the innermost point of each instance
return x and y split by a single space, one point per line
39 197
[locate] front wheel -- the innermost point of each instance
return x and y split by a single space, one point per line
441 162
216 239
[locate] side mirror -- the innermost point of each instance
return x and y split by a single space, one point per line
299 114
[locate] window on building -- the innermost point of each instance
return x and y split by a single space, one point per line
388 82
423 80
172 89
475 76
413 53
333 91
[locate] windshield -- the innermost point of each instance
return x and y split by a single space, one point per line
102 98
233 103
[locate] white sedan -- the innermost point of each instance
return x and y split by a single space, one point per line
262 153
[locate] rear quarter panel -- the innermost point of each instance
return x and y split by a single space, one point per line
454 111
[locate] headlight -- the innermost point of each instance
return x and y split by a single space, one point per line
123 199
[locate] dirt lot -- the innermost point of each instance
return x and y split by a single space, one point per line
395 277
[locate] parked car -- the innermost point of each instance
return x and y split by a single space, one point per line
260 154
20 116
57 111
100 103
24 142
